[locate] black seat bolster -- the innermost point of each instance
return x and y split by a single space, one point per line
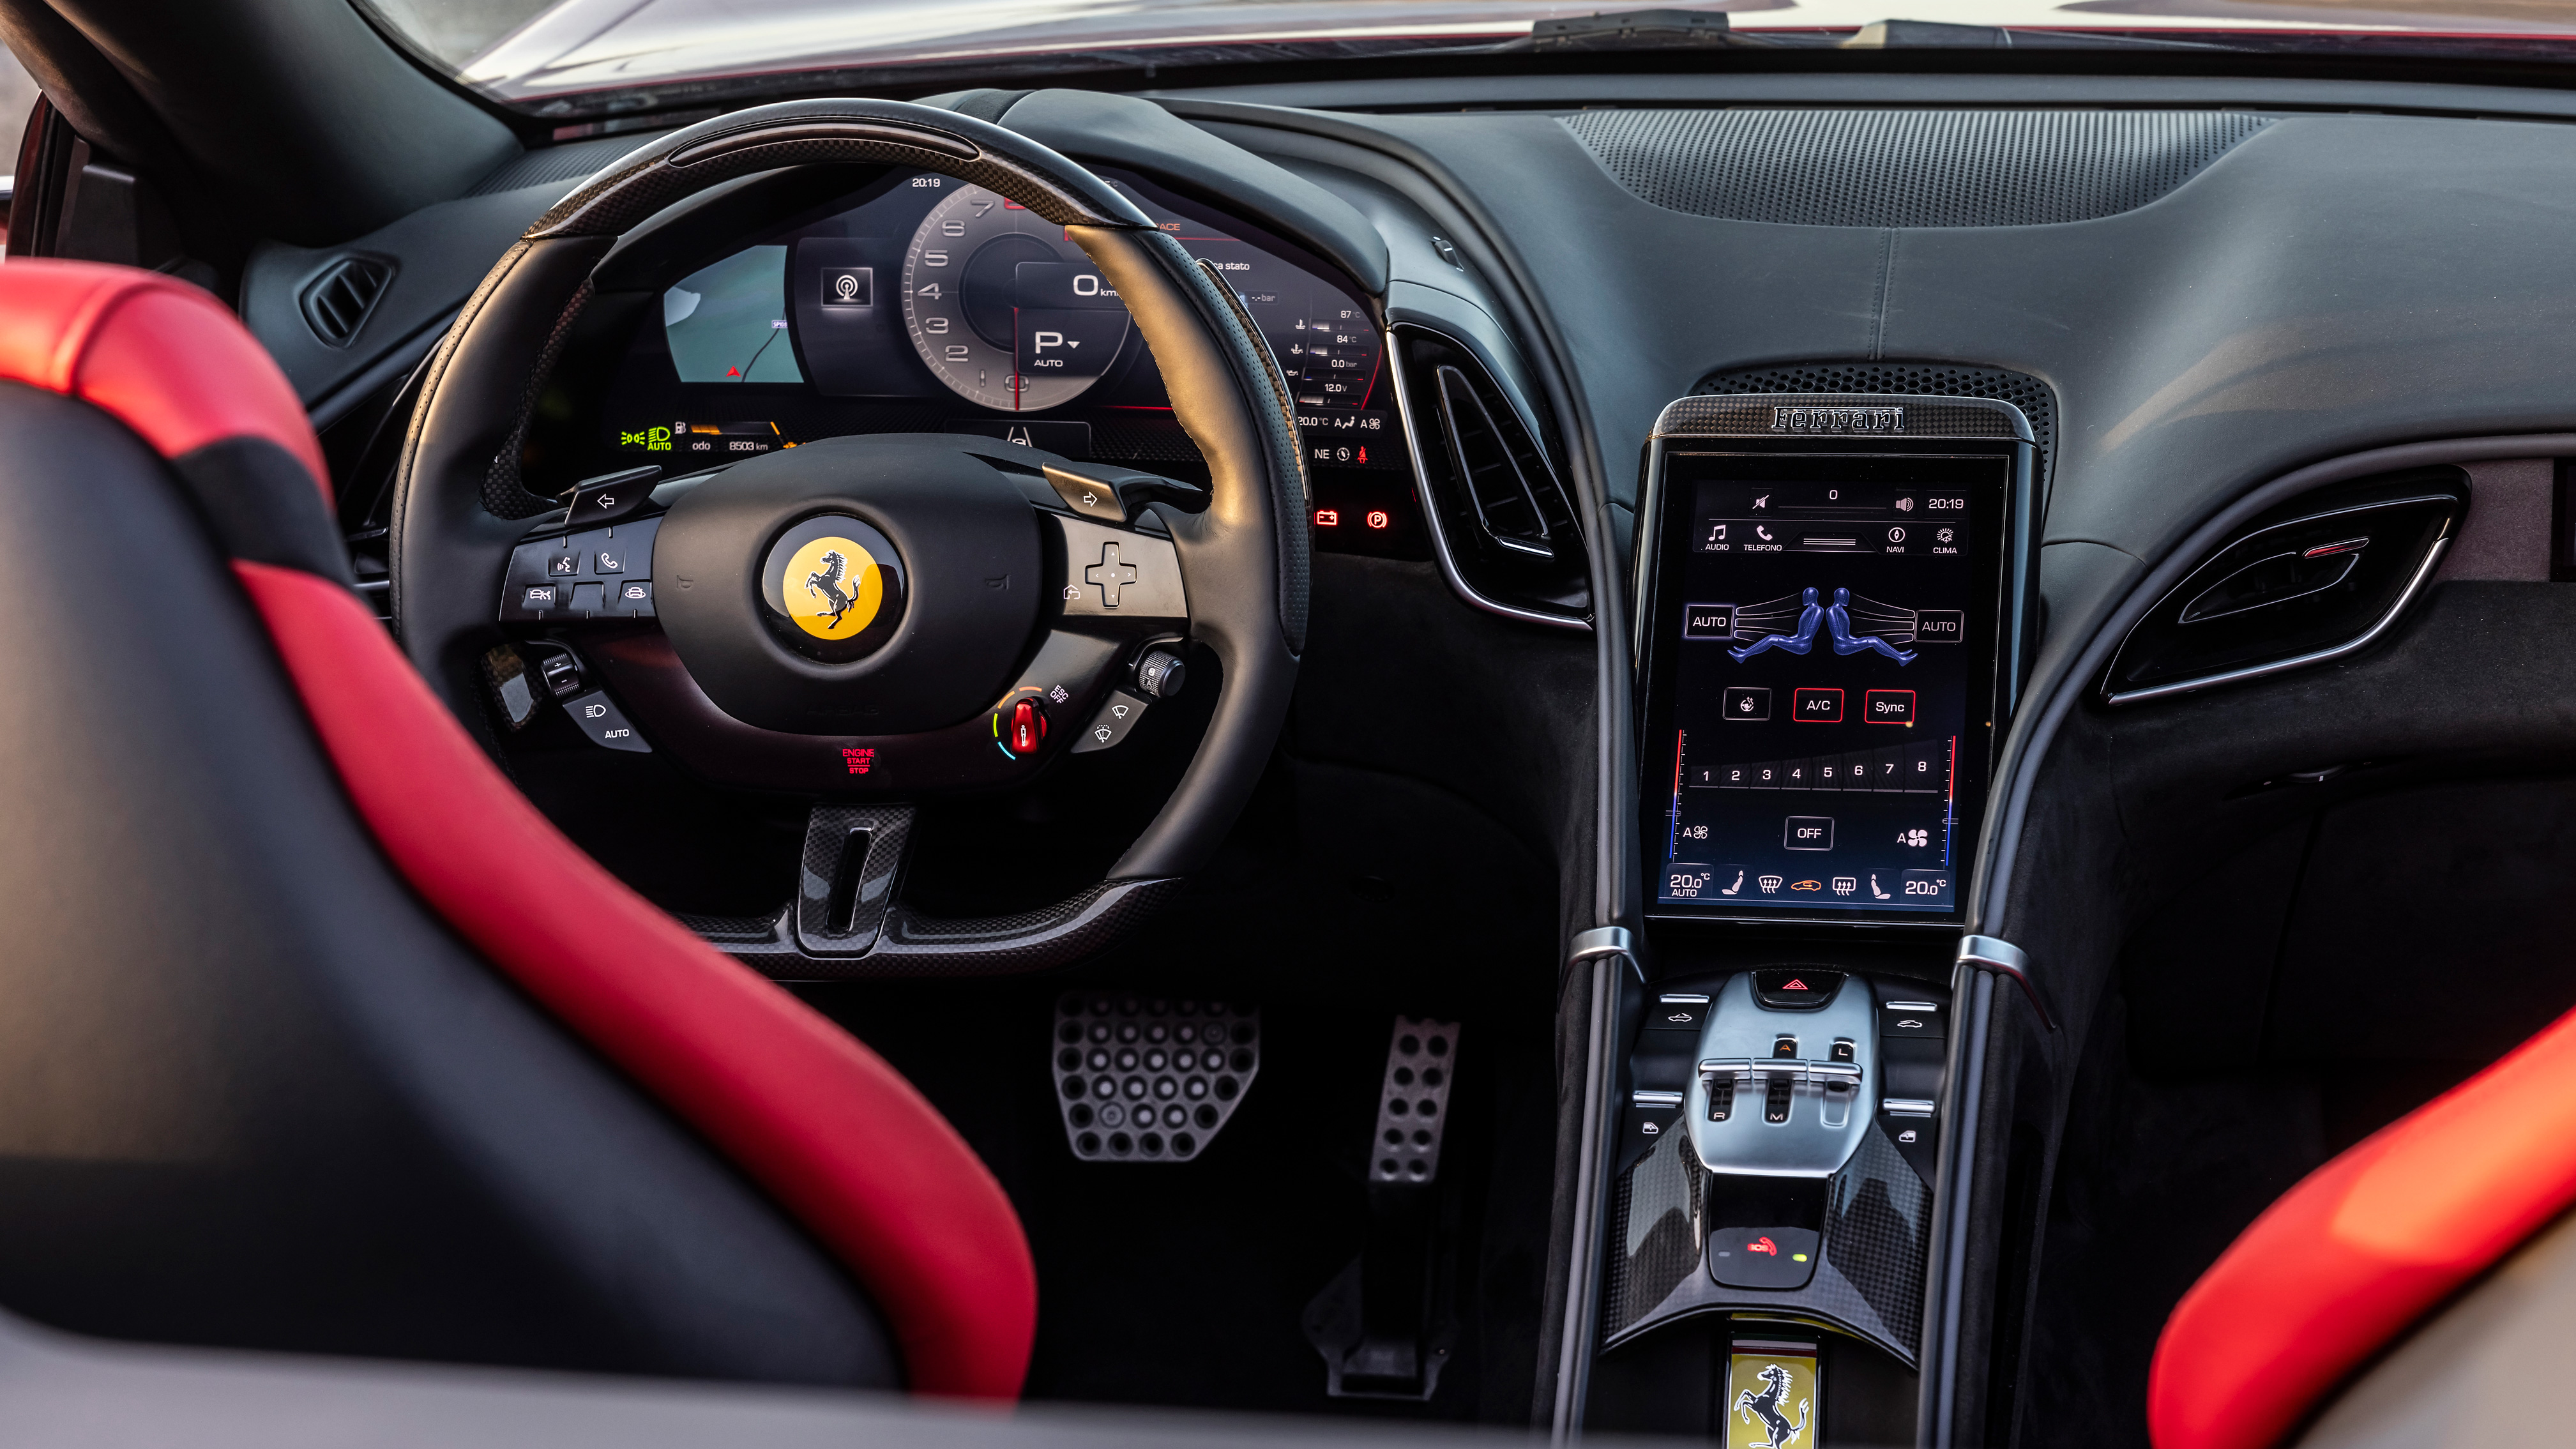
251 1093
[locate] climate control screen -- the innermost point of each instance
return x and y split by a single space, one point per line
1826 681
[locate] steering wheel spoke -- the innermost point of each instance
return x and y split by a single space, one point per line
847 919
845 883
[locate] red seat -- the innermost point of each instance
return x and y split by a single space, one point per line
2364 1248
816 1120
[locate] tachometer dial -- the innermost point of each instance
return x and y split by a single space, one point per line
1003 308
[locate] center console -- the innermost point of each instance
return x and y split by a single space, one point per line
1833 603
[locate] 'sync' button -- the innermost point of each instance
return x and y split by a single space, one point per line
1888 706
1808 832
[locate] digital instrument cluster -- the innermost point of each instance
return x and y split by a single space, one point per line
928 304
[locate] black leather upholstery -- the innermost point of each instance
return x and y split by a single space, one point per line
251 1092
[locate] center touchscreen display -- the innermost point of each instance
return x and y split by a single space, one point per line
1826 680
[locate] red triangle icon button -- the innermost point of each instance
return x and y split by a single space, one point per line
1795 985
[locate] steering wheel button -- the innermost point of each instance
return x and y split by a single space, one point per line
1113 573
1109 727
606 724
540 597
609 560
589 598
562 564
634 596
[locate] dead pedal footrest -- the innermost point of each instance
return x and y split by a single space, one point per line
1142 1079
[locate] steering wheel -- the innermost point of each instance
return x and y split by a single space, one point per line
873 621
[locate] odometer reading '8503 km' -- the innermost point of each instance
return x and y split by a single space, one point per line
1003 307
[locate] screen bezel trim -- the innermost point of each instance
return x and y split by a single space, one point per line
1657 616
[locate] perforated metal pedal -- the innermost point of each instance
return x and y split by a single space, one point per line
1413 1106
1148 1080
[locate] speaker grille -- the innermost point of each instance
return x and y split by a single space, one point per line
2037 401
1907 168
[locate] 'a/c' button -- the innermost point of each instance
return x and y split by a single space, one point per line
1808 832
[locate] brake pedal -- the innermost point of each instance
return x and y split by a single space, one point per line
1148 1080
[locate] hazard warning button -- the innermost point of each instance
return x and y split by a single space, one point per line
1795 988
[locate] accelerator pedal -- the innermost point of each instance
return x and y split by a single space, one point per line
1385 1324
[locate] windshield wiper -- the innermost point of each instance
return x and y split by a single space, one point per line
1942 35
1629 30
1645 30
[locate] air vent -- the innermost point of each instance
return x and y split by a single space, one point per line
1502 524
338 302
1520 514
2313 581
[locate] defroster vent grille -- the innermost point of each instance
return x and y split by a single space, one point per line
1896 168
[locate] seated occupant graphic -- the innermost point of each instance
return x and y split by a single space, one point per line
1798 643
1838 625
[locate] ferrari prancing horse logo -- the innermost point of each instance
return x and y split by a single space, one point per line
833 587
1767 1389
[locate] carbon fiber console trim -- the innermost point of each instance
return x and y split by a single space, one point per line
1868 1280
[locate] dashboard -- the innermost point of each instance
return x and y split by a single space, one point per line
927 304
1835 623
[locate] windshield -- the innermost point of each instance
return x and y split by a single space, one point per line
598 57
